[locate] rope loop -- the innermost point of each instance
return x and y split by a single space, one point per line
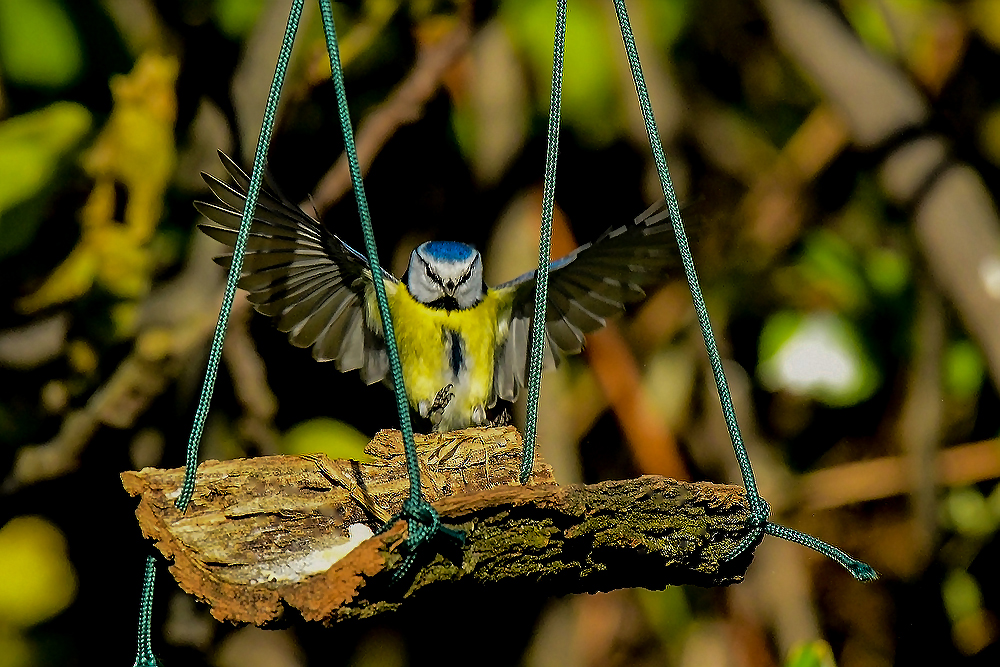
758 506
423 524
758 526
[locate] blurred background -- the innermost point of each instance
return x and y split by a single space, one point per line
835 159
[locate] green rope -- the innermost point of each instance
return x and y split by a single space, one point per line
423 522
236 268
537 352
758 505
686 259
861 571
144 653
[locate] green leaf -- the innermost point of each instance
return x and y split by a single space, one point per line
888 271
38 44
969 513
829 264
869 20
964 369
32 146
590 88
961 595
235 18
817 355
816 653
670 18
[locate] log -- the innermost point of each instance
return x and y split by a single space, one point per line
265 535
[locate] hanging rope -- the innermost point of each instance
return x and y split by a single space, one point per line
423 522
758 505
144 652
236 268
536 353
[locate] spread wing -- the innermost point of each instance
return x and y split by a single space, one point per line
315 286
590 284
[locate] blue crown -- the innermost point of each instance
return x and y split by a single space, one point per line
449 251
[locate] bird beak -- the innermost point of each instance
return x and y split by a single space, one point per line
449 287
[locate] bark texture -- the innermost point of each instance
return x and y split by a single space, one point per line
267 534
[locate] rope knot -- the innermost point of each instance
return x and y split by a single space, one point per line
423 523
419 511
761 511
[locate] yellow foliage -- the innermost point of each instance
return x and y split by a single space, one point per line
82 357
332 437
985 16
32 144
155 344
38 580
815 653
136 150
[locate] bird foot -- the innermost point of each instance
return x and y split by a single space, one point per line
502 419
441 401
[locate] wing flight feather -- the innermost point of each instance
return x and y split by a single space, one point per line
586 287
298 272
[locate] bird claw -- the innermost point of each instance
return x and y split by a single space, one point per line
479 415
502 419
441 401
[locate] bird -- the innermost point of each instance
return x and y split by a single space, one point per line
462 344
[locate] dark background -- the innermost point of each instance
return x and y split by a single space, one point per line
794 232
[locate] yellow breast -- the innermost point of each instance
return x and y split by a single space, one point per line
423 335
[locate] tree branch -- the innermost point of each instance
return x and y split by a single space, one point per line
263 535
403 106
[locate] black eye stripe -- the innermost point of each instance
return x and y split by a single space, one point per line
436 279
467 274
430 274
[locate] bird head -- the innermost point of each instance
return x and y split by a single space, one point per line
446 274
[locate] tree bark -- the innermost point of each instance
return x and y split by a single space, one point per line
267 534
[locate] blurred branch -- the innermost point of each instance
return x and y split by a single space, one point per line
34 343
250 382
782 598
890 475
177 320
958 230
159 354
250 81
649 437
269 533
875 98
377 14
774 204
955 219
404 105
919 426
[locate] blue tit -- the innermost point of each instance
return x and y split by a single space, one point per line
451 328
